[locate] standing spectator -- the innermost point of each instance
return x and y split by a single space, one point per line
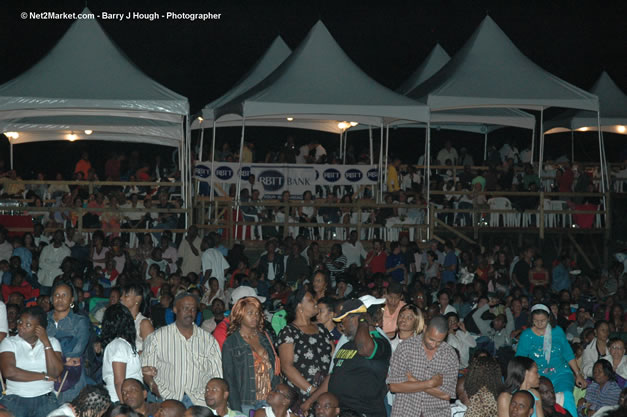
553 355
392 178
375 261
353 250
83 165
72 332
304 347
393 305
423 373
249 362
180 357
189 255
135 297
449 268
121 359
448 152
336 262
360 365
30 362
214 264
50 261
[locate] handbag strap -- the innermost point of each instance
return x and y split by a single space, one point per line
277 362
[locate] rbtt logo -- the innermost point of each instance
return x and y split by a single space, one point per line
353 175
224 173
272 180
202 171
331 175
245 173
373 175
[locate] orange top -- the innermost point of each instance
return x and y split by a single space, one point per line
83 166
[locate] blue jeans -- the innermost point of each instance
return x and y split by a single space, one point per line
30 407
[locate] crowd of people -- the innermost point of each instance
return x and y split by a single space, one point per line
198 329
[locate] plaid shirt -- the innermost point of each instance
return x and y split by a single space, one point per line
410 357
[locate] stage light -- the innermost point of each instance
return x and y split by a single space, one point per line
583 129
353 124
621 129
11 135
343 125
289 119
89 132
71 137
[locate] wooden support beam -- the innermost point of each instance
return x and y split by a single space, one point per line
580 250
451 229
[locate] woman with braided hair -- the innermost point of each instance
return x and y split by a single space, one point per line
92 401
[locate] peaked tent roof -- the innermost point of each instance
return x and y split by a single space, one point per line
320 81
86 73
613 103
436 59
489 71
269 61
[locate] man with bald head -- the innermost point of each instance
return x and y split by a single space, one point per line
180 358
171 408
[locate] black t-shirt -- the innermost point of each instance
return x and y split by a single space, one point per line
521 270
358 381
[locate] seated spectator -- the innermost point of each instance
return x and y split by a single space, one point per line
482 385
327 405
170 408
597 349
604 391
619 361
522 404
582 322
460 339
134 395
550 405
280 401
217 398
20 285
92 401
522 376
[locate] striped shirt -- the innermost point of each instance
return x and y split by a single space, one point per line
184 366
600 397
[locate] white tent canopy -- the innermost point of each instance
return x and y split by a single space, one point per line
320 81
86 70
489 71
436 59
613 104
85 74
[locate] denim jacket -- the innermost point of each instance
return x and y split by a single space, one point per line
72 332
238 366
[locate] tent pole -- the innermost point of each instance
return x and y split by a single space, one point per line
189 204
341 141
344 149
427 183
541 146
533 142
213 151
381 166
370 136
485 145
387 150
239 177
572 147
202 142
11 152
424 156
601 154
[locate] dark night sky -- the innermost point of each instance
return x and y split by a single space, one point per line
574 40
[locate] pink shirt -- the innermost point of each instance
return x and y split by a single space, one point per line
389 320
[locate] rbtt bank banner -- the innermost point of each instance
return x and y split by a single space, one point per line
277 178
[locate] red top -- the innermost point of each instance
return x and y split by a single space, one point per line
25 289
378 262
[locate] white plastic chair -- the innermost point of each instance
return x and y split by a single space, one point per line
549 219
565 218
253 218
501 203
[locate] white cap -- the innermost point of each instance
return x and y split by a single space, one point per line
245 291
369 300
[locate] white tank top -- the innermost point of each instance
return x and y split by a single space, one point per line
139 342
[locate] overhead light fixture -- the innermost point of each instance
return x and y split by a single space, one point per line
89 132
354 124
621 129
71 137
583 129
200 119
289 119
343 125
11 135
